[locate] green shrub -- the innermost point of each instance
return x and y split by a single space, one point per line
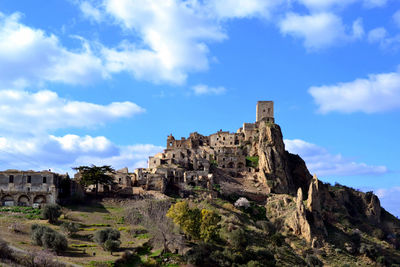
313 261
111 245
5 251
381 260
107 238
48 238
54 241
69 228
237 239
252 161
51 212
277 239
195 223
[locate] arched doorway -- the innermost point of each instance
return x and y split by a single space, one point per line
7 200
23 200
40 199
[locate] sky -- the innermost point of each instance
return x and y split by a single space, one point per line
106 81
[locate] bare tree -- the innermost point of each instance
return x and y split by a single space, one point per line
151 214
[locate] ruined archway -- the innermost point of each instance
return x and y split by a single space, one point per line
7 200
40 199
231 165
240 165
23 200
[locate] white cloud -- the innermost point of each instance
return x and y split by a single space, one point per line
374 3
318 5
173 39
323 163
90 12
380 36
202 89
62 153
377 93
396 18
390 199
25 112
325 4
319 30
228 9
30 56
358 29
377 35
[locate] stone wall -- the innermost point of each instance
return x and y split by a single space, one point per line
25 188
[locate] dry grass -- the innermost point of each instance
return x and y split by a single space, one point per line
81 249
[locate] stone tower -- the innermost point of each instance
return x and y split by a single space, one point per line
265 110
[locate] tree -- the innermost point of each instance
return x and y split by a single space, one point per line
95 175
48 238
151 214
195 223
209 225
108 238
70 228
187 218
51 212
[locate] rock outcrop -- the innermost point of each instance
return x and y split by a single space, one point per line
276 170
298 221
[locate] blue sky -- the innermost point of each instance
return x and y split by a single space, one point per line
105 81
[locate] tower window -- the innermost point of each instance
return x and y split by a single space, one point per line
29 179
44 180
11 179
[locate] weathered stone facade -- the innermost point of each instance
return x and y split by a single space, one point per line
25 188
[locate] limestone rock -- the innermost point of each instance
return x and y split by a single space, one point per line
313 201
298 221
273 164
373 207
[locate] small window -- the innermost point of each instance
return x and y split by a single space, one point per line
29 179
154 162
223 138
29 189
173 155
120 180
263 110
11 179
44 180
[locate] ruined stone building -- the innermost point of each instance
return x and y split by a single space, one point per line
188 160
191 161
25 188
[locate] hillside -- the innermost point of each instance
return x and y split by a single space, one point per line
270 212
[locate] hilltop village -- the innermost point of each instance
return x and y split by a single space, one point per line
185 161
253 204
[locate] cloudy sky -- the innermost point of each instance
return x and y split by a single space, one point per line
105 81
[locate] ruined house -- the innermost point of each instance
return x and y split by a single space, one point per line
26 188
188 160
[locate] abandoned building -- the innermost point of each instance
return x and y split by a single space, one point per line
26 188
187 161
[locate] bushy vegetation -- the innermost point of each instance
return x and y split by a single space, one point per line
48 238
196 223
5 251
51 212
30 213
69 228
108 238
252 161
